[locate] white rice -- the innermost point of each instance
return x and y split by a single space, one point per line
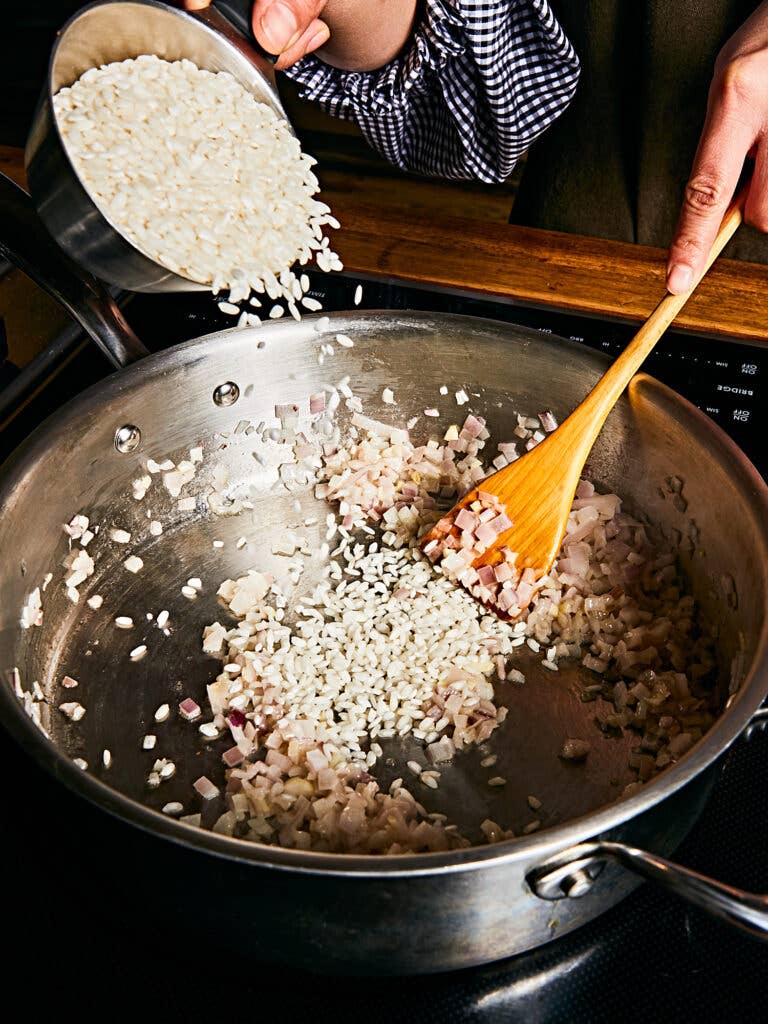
198 174
389 646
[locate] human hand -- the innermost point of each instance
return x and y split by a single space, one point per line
736 127
355 35
289 29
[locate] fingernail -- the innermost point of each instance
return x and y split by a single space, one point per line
679 278
318 39
280 27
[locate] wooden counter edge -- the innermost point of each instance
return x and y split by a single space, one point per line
590 276
529 266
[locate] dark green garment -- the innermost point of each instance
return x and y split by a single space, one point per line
615 164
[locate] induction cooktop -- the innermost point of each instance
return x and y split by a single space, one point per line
73 928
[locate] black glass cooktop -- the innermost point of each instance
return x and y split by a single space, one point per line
87 929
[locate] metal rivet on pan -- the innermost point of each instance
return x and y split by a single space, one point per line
574 878
757 723
226 393
127 438
577 884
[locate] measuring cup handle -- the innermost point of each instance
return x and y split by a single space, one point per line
25 242
572 873
238 14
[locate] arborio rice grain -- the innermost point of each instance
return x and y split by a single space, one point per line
197 174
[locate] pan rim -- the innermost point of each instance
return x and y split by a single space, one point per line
538 846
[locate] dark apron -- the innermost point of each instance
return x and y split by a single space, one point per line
615 164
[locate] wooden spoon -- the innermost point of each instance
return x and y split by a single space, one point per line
538 489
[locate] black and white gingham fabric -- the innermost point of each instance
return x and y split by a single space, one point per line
477 83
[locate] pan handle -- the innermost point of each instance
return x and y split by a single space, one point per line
25 242
572 872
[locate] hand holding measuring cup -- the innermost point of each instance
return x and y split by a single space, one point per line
354 35
290 29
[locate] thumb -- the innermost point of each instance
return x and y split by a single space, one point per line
278 25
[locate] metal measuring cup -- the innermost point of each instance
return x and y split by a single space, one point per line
114 30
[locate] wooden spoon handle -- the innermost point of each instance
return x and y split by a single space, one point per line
589 416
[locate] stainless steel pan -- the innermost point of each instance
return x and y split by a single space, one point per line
404 914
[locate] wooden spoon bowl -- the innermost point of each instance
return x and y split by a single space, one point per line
536 491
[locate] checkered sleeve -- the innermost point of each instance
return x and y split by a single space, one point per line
476 84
